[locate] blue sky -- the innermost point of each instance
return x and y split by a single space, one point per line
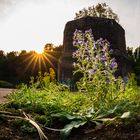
30 24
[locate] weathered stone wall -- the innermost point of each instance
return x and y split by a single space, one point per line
106 28
101 27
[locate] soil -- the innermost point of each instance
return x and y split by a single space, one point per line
127 130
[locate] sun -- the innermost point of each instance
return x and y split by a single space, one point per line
39 51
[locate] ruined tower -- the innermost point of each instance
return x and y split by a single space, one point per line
101 27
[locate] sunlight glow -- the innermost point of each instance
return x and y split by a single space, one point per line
38 61
39 51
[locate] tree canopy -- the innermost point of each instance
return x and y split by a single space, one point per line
100 10
18 67
134 56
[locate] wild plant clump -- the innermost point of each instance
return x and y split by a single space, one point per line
100 97
97 67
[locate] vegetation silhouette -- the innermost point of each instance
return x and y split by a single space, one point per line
18 67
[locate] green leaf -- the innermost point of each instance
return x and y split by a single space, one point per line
113 110
125 115
66 115
67 129
107 113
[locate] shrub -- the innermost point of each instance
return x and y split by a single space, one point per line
5 84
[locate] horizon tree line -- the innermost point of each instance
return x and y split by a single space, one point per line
18 67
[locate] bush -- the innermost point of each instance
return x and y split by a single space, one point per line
5 84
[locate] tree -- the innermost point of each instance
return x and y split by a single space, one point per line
12 55
100 10
2 64
1 53
137 64
23 52
129 52
48 47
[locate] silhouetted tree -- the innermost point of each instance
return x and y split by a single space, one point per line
12 55
48 47
22 53
2 64
130 54
18 67
1 53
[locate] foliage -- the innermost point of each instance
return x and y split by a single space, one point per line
101 96
136 57
129 52
5 84
51 100
100 10
97 67
18 67
97 118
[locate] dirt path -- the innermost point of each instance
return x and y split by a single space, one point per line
3 93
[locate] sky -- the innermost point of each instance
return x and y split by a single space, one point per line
30 24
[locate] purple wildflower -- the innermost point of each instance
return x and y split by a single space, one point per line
108 44
113 59
91 72
102 44
74 54
81 55
103 58
110 51
94 46
108 81
74 43
83 68
106 63
96 67
105 48
87 58
89 51
101 39
97 56
93 58
88 33
86 44
113 65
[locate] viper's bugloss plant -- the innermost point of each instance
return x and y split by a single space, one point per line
97 66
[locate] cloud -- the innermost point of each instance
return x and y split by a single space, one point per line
29 24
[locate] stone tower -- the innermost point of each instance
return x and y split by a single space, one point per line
101 27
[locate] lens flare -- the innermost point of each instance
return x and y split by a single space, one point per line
39 61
